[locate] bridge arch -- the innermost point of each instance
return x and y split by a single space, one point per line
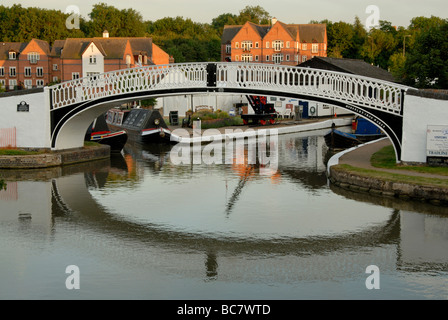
75 104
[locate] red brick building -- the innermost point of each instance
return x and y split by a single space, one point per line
276 43
35 64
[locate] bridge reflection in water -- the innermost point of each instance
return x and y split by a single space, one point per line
71 202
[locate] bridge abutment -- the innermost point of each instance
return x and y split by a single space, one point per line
421 109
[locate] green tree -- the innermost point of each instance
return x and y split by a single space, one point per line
255 14
426 63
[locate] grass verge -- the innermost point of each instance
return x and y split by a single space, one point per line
385 158
394 177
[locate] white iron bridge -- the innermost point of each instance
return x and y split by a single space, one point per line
76 103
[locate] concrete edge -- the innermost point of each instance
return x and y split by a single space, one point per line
281 130
54 159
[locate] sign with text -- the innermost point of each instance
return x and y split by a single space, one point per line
437 141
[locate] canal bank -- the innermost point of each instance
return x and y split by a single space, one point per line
352 170
54 158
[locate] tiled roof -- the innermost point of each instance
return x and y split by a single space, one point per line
352 66
6 47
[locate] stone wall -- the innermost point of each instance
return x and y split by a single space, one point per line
53 159
357 182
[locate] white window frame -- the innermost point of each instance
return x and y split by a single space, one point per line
303 58
28 83
39 83
12 84
27 72
267 57
228 48
33 57
237 45
92 59
55 67
55 79
277 45
304 46
246 45
287 57
12 71
75 75
247 57
267 44
315 48
12 55
288 44
2 71
2 83
257 58
39 72
277 58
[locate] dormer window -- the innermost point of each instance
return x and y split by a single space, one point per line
12 55
92 59
33 57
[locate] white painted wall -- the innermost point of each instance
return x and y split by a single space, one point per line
33 127
418 113
87 66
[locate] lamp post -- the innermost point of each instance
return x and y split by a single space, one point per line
404 45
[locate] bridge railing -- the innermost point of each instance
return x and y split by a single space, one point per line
352 89
343 87
124 81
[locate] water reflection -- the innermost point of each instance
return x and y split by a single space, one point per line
139 212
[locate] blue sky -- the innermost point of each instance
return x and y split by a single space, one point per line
399 12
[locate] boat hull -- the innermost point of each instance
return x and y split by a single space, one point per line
116 140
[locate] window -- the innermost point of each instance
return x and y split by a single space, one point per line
40 71
237 58
287 57
277 58
315 48
55 79
288 44
2 71
12 55
55 67
28 83
267 44
228 49
12 71
27 71
246 45
257 45
304 46
277 45
2 83
92 59
12 84
237 45
128 59
257 58
246 58
303 58
75 75
296 58
267 58
33 57
40 83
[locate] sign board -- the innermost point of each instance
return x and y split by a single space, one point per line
23 107
437 141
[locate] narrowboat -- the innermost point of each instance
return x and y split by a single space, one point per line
362 131
141 125
99 132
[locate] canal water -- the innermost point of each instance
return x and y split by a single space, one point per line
139 226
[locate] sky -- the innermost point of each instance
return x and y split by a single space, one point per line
398 12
